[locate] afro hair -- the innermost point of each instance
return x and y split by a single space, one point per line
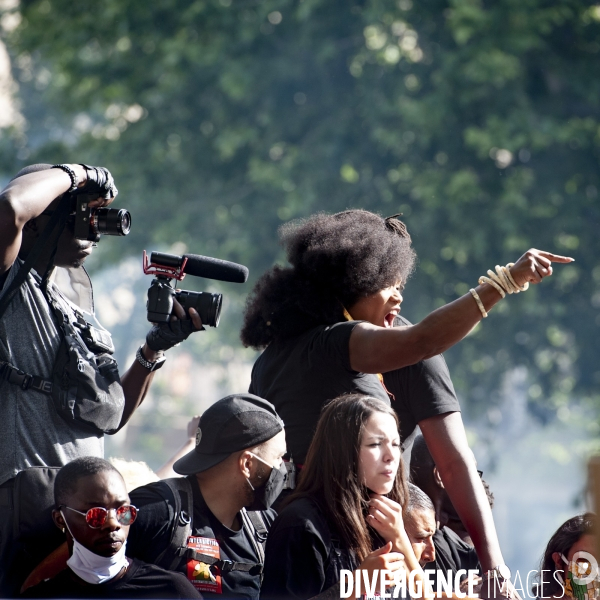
335 260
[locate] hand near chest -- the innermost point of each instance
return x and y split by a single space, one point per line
385 517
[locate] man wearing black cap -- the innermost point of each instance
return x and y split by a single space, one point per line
199 524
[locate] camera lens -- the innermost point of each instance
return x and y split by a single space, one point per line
208 305
110 221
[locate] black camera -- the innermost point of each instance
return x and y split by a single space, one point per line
169 267
91 223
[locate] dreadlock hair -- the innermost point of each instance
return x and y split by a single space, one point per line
330 472
335 260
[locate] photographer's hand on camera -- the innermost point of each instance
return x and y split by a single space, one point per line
99 179
163 336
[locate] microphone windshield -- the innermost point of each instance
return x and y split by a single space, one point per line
215 268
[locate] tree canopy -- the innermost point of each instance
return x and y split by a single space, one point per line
221 119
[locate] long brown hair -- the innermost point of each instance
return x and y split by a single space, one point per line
330 472
563 539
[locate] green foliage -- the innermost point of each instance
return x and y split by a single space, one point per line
223 119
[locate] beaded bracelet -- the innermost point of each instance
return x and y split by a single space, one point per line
67 169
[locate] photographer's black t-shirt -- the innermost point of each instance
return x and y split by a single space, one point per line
300 375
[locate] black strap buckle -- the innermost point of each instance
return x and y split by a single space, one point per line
17 377
226 566
24 380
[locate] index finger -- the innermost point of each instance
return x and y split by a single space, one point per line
98 202
178 310
384 508
555 257
394 561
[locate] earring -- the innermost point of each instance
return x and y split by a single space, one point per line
64 530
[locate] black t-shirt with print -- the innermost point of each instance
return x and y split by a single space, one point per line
140 581
151 534
300 375
303 555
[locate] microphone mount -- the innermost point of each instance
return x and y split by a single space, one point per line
162 270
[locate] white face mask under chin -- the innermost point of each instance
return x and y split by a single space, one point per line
92 567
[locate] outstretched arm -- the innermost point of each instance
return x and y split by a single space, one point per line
378 350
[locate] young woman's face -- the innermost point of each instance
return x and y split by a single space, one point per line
379 308
586 543
379 456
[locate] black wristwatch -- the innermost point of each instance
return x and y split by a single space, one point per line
151 366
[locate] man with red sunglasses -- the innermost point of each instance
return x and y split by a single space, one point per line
94 512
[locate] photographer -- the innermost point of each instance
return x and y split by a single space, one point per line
51 374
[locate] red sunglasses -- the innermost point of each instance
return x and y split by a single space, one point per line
96 517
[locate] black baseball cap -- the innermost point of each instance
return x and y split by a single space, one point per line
234 423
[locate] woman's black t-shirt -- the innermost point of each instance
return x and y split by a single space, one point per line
303 555
300 375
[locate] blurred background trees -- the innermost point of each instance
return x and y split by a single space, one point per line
221 119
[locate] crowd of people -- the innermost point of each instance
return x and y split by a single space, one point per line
347 455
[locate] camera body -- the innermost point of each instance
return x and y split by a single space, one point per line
91 223
168 268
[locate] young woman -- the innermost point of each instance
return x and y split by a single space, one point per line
325 324
346 512
569 562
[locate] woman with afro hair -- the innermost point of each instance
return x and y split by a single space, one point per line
326 326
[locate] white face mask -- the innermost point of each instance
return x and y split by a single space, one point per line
92 567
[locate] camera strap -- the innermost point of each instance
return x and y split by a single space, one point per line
51 233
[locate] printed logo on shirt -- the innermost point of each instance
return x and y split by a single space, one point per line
204 577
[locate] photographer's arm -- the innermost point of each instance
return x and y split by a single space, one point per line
136 381
25 198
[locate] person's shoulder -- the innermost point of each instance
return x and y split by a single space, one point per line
453 539
301 513
151 493
268 516
55 587
173 585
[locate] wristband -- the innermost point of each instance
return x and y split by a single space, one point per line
151 366
67 169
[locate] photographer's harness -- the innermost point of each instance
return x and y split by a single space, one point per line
85 385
